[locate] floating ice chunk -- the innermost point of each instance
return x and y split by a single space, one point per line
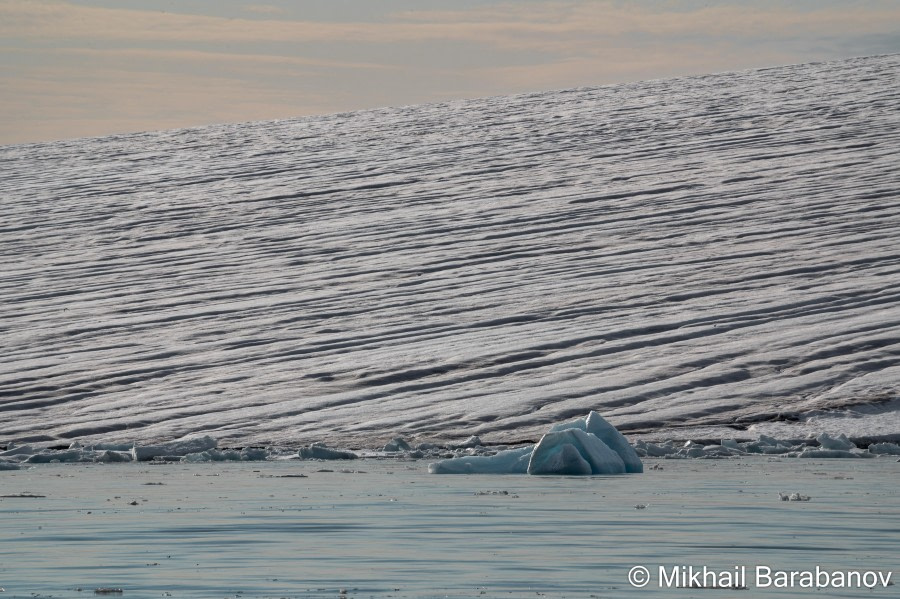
766 440
19 450
573 447
732 444
613 439
829 442
595 424
395 445
553 451
472 441
72 455
110 456
776 449
512 461
655 451
111 446
694 452
254 454
177 448
212 455
9 465
320 452
751 447
719 451
559 459
793 497
884 448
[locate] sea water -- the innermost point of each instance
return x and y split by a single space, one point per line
386 528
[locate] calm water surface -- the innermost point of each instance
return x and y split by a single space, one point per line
389 529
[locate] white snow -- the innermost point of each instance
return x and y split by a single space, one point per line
684 255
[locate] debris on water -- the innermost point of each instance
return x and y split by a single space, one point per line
22 496
640 506
794 497
656 467
108 591
133 503
491 492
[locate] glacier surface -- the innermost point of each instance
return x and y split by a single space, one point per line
702 253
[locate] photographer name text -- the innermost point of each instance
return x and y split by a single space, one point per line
761 577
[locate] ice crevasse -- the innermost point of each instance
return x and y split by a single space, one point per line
584 446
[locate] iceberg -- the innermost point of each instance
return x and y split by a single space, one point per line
573 451
595 424
585 446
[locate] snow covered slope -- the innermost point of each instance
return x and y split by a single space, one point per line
706 251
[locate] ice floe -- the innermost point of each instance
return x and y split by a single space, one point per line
884 448
511 461
321 452
143 453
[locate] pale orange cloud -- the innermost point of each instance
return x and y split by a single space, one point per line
507 24
72 70
263 9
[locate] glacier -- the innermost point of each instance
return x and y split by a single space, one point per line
710 256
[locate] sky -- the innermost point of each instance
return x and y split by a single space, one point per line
78 68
